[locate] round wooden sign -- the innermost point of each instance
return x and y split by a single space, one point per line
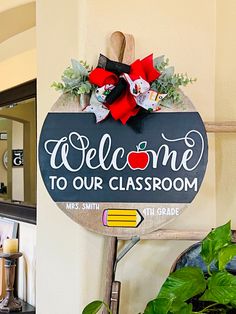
122 180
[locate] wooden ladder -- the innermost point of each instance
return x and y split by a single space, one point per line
112 287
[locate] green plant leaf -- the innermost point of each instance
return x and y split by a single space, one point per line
217 239
57 86
75 79
158 306
221 288
169 72
71 83
79 68
183 284
165 306
179 306
167 103
93 307
185 309
225 255
233 303
169 82
158 61
69 73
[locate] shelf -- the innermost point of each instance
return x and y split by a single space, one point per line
220 127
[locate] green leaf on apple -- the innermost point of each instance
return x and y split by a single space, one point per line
142 146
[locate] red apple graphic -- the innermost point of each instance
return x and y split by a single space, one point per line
138 160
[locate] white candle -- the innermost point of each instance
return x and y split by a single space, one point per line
10 246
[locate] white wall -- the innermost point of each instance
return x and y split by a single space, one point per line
27 264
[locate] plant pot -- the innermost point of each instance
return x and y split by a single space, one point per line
191 257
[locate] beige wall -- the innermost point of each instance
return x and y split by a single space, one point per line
225 92
9 4
23 17
186 34
18 59
17 66
68 257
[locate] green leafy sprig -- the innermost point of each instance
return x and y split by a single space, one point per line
75 79
169 82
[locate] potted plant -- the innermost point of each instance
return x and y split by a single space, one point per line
209 287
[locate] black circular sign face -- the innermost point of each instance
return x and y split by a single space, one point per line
118 180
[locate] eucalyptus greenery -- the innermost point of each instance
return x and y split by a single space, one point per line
190 291
169 82
75 79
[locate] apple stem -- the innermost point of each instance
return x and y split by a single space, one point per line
137 146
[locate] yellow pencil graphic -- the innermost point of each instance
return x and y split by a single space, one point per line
126 218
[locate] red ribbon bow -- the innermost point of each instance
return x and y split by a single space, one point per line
125 106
